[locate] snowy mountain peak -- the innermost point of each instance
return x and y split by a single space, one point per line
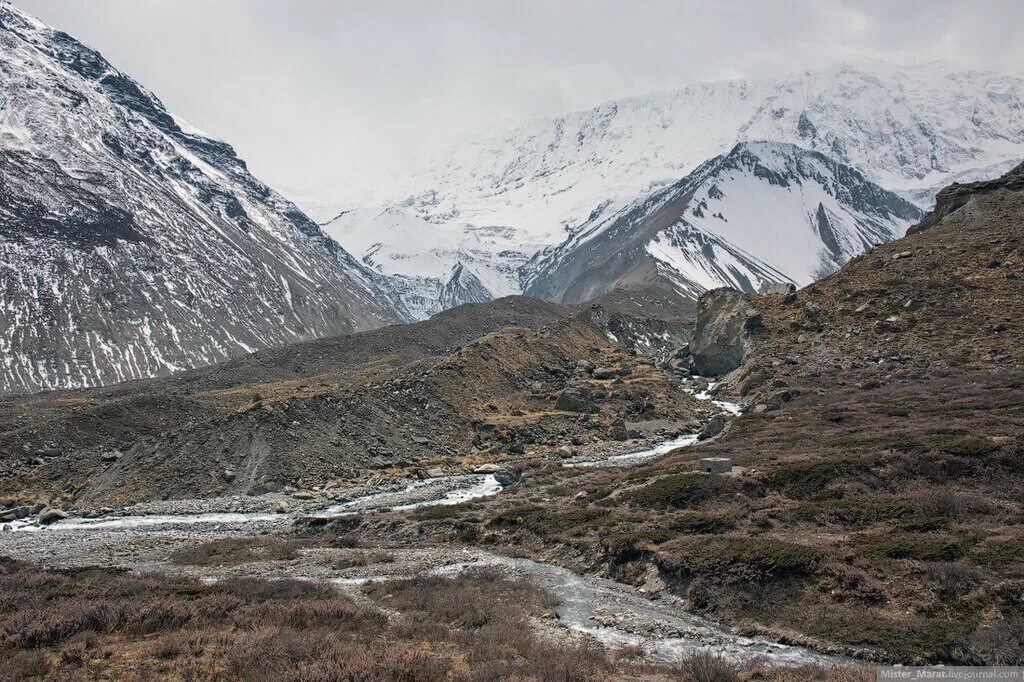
764 212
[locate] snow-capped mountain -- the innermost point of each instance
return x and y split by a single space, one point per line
554 180
132 245
431 267
765 212
906 129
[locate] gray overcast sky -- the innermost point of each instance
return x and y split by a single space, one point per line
311 91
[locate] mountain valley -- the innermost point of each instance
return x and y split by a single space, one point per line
717 384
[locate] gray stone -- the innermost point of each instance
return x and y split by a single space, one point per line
719 339
50 515
777 288
812 310
489 468
111 456
15 514
281 507
604 373
716 465
714 427
576 400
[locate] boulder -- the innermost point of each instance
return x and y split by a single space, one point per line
719 338
281 507
712 428
51 515
229 475
489 468
604 373
777 288
619 431
812 310
111 456
15 514
576 400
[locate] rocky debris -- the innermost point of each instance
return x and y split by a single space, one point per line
51 515
15 513
576 400
714 427
893 323
719 339
618 430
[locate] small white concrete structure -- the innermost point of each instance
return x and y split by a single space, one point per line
716 465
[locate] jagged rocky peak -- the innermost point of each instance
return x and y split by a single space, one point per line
132 245
765 212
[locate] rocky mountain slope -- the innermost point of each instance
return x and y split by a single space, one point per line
478 383
132 245
875 504
763 213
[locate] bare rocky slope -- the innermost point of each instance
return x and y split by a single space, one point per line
877 506
133 246
476 383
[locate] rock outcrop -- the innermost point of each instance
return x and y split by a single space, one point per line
719 338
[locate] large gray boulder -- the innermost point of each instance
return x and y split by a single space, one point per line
720 337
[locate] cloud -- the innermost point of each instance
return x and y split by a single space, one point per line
318 92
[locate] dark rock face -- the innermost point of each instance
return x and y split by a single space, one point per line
131 247
719 337
956 196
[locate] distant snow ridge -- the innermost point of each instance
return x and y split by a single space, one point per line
765 212
430 267
565 193
131 246
906 129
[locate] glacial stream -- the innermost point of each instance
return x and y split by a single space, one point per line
614 614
